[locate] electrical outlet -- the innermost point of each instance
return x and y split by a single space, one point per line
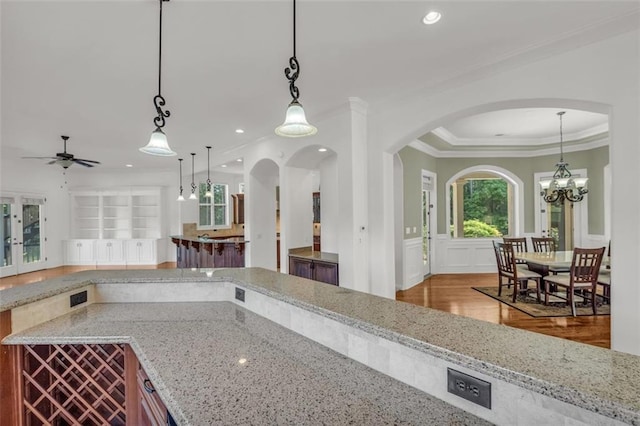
78 298
239 294
469 387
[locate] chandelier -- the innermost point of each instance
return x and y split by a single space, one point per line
562 186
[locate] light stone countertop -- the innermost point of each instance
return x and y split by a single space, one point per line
596 379
191 353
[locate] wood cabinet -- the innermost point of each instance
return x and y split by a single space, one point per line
141 252
151 411
238 208
316 243
317 270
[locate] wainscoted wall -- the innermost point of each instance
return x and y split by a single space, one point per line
457 256
412 273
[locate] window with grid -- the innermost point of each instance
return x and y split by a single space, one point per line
214 210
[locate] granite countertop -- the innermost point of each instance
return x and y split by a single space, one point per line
284 379
596 379
307 253
212 239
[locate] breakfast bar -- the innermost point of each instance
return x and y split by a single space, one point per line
211 357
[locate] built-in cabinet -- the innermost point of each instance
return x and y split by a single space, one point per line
111 252
116 214
114 226
313 269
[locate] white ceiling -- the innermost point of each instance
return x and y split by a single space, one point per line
88 69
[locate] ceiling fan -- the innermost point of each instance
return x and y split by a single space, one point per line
65 159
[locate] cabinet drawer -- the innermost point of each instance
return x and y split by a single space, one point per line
152 410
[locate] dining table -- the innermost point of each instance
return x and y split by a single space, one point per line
544 262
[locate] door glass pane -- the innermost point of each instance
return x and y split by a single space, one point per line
561 225
5 233
31 249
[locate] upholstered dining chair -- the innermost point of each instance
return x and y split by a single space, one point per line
583 275
508 269
519 245
543 244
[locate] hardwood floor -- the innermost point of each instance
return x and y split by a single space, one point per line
449 293
453 293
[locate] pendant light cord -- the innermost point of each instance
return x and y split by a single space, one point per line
158 100
293 70
160 53
561 150
193 184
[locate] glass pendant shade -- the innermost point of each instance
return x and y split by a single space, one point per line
208 194
180 197
158 144
193 196
295 123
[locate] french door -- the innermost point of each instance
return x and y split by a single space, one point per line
427 207
22 233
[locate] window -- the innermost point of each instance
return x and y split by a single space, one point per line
481 206
214 211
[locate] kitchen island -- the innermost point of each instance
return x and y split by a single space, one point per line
535 379
206 252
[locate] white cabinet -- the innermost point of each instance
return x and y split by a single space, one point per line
80 252
110 252
141 252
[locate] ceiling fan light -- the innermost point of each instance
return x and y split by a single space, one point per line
65 163
295 123
158 145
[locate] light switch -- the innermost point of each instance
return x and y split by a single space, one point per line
407 230
414 229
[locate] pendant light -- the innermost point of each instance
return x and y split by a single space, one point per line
208 194
158 144
180 197
295 123
193 183
563 186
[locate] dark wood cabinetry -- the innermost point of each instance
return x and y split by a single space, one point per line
316 207
316 243
212 253
317 270
238 208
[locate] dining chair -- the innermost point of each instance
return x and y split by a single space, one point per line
543 244
508 269
519 245
547 245
583 276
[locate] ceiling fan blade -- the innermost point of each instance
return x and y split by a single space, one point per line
86 161
82 163
52 162
42 158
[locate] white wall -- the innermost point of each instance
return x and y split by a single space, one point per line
296 207
329 207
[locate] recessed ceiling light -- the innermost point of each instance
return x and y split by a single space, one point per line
239 131
224 165
239 160
322 149
128 165
431 18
